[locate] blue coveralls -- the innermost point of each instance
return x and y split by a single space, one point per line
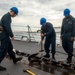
68 31
6 45
50 39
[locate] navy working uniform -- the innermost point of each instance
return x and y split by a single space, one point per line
50 39
68 31
5 35
6 45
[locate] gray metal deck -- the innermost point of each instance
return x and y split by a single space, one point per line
29 47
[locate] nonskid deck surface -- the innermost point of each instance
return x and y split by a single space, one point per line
17 69
29 47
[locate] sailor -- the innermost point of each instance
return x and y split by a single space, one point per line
6 36
68 33
48 32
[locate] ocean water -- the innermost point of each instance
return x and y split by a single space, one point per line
26 33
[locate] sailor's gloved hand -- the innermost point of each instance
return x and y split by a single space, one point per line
42 35
61 37
12 38
72 39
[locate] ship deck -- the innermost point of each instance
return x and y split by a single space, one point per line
31 47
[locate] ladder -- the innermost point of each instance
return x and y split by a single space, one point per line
30 34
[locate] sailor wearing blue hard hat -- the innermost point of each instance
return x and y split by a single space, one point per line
68 34
48 31
6 36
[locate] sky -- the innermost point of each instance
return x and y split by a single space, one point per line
30 11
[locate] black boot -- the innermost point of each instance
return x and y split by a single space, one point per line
46 56
53 57
69 59
17 59
2 68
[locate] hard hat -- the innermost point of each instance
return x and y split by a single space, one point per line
42 21
14 9
66 12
